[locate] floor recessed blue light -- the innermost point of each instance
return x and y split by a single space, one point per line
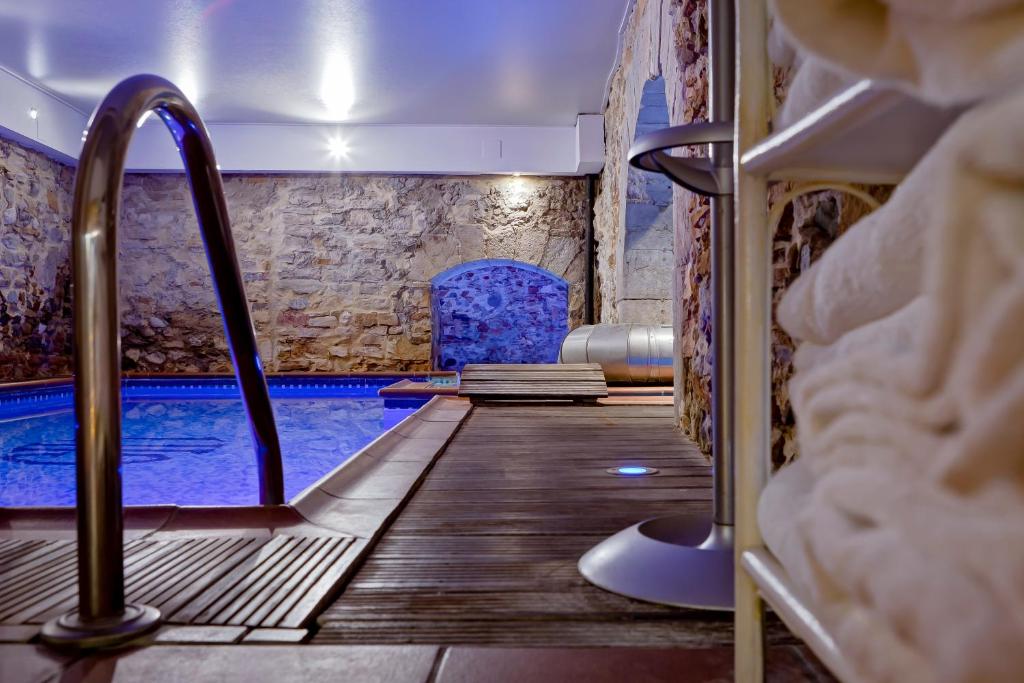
632 471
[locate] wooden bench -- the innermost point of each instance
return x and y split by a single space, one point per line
578 382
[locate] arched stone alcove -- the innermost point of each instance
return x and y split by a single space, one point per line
647 262
497 311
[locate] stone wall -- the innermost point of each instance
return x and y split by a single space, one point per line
35 273
337 267
666 38
646 292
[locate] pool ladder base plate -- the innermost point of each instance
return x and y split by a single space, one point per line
68 632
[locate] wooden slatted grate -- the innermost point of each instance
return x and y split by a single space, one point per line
581 382
277 582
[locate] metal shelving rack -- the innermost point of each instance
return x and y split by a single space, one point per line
867 133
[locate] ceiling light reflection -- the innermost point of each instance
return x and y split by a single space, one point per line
188 86
337 90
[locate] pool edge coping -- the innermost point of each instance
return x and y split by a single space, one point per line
306 506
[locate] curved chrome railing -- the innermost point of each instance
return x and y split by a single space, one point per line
102 617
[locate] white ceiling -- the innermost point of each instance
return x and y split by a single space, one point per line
447 62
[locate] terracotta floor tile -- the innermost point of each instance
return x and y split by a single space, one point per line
13 633
615 665
29 664
276 635
200 634
258 664
592 665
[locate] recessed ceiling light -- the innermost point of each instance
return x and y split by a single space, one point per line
33 113
337 147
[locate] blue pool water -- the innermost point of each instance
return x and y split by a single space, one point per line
187 442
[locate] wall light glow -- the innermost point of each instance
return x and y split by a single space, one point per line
516 188
33 113
337 89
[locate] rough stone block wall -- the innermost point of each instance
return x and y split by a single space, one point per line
646 291
666 38
337 267
35 273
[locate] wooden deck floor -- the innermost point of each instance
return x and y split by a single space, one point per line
485 552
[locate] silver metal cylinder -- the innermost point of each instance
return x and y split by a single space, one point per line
637 354
721 45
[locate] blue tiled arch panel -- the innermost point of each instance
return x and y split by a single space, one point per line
497 311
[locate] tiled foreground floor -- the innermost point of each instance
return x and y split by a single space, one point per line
392 664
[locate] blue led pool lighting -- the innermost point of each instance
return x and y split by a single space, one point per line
632 471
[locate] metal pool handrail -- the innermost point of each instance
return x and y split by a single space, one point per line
103 618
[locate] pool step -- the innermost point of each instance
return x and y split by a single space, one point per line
256 582
578 382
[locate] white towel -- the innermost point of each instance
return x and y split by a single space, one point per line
813 83
893 334
873 270
942 570
946 52
910 414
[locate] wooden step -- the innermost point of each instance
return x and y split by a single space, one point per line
579 382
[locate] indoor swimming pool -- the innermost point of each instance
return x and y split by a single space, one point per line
186 441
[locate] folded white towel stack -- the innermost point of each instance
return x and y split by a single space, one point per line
944 51
904 518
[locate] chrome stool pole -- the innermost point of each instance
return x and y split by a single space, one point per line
687 560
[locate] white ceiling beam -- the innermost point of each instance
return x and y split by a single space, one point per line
57 129
589 143
309 148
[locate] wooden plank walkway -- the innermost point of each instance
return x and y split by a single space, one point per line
581 382
485 552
